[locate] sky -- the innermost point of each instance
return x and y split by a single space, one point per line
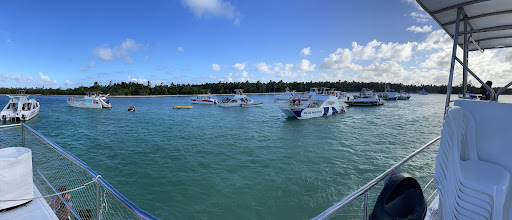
66 44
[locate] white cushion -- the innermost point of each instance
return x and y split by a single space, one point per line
15 176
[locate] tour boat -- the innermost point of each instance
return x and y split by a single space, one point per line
41 180
204 99
286 95
365 98
403 96
92 99
423 92
239 100
19 107
319 105
470 176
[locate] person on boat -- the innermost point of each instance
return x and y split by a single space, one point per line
60 208
108 101
485 94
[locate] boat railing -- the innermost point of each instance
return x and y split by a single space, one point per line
357 209
55 169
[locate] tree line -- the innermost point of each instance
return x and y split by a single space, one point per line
134 89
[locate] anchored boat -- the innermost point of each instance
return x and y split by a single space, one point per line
319 105
239 100
472 168
92 99
19 107
204 99
365 98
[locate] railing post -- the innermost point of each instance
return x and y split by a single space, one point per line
97 199
365 205
454 54
465 59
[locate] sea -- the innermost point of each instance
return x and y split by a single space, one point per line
211 162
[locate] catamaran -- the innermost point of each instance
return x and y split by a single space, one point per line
92 99
471 177
19 107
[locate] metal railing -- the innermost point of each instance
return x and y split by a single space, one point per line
331 211
90 196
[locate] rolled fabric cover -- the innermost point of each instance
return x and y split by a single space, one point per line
15 176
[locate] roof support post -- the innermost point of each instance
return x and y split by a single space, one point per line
454 54
465 60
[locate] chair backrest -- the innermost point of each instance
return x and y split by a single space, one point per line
492 130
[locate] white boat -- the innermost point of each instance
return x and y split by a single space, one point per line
40 180
286 95
470 177
204 99
471 96
92 99
239 100
365 98
423 92
19 107
389 94
403 96
319 105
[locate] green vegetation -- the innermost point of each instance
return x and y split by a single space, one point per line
134 89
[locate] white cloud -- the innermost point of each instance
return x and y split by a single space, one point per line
180 49
424 29
245 74
68 83
213 8
420 16
305 66
215 67
16 78
121 52
438 59
262 67
137 80
240 66
306 51
45 80
89 65
438 39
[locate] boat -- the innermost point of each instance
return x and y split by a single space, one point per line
470 176
286 95
204 99
319 105
389 94
423 92
41 180
403 96
365 98
19 107
471 96
183 107
239 100
92 99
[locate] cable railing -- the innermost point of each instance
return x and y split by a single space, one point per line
67 184
364 191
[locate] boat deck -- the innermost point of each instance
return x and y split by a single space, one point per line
432 209
37 209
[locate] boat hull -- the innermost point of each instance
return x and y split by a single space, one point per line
306 113
204 102
83 104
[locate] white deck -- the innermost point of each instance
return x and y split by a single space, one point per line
432 209
38 209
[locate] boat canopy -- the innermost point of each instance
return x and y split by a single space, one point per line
489 22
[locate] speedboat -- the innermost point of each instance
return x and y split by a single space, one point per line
19 107
319 105
286 95
365 98
239 100
470 177
92 99
204 99
403 96
470 96
389 94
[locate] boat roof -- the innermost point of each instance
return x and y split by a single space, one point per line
490 22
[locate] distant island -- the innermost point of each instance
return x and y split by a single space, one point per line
138 89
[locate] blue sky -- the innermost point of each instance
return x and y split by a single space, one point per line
69 43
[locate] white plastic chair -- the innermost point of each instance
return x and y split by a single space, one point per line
471 188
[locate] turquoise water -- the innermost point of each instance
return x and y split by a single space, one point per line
239 163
